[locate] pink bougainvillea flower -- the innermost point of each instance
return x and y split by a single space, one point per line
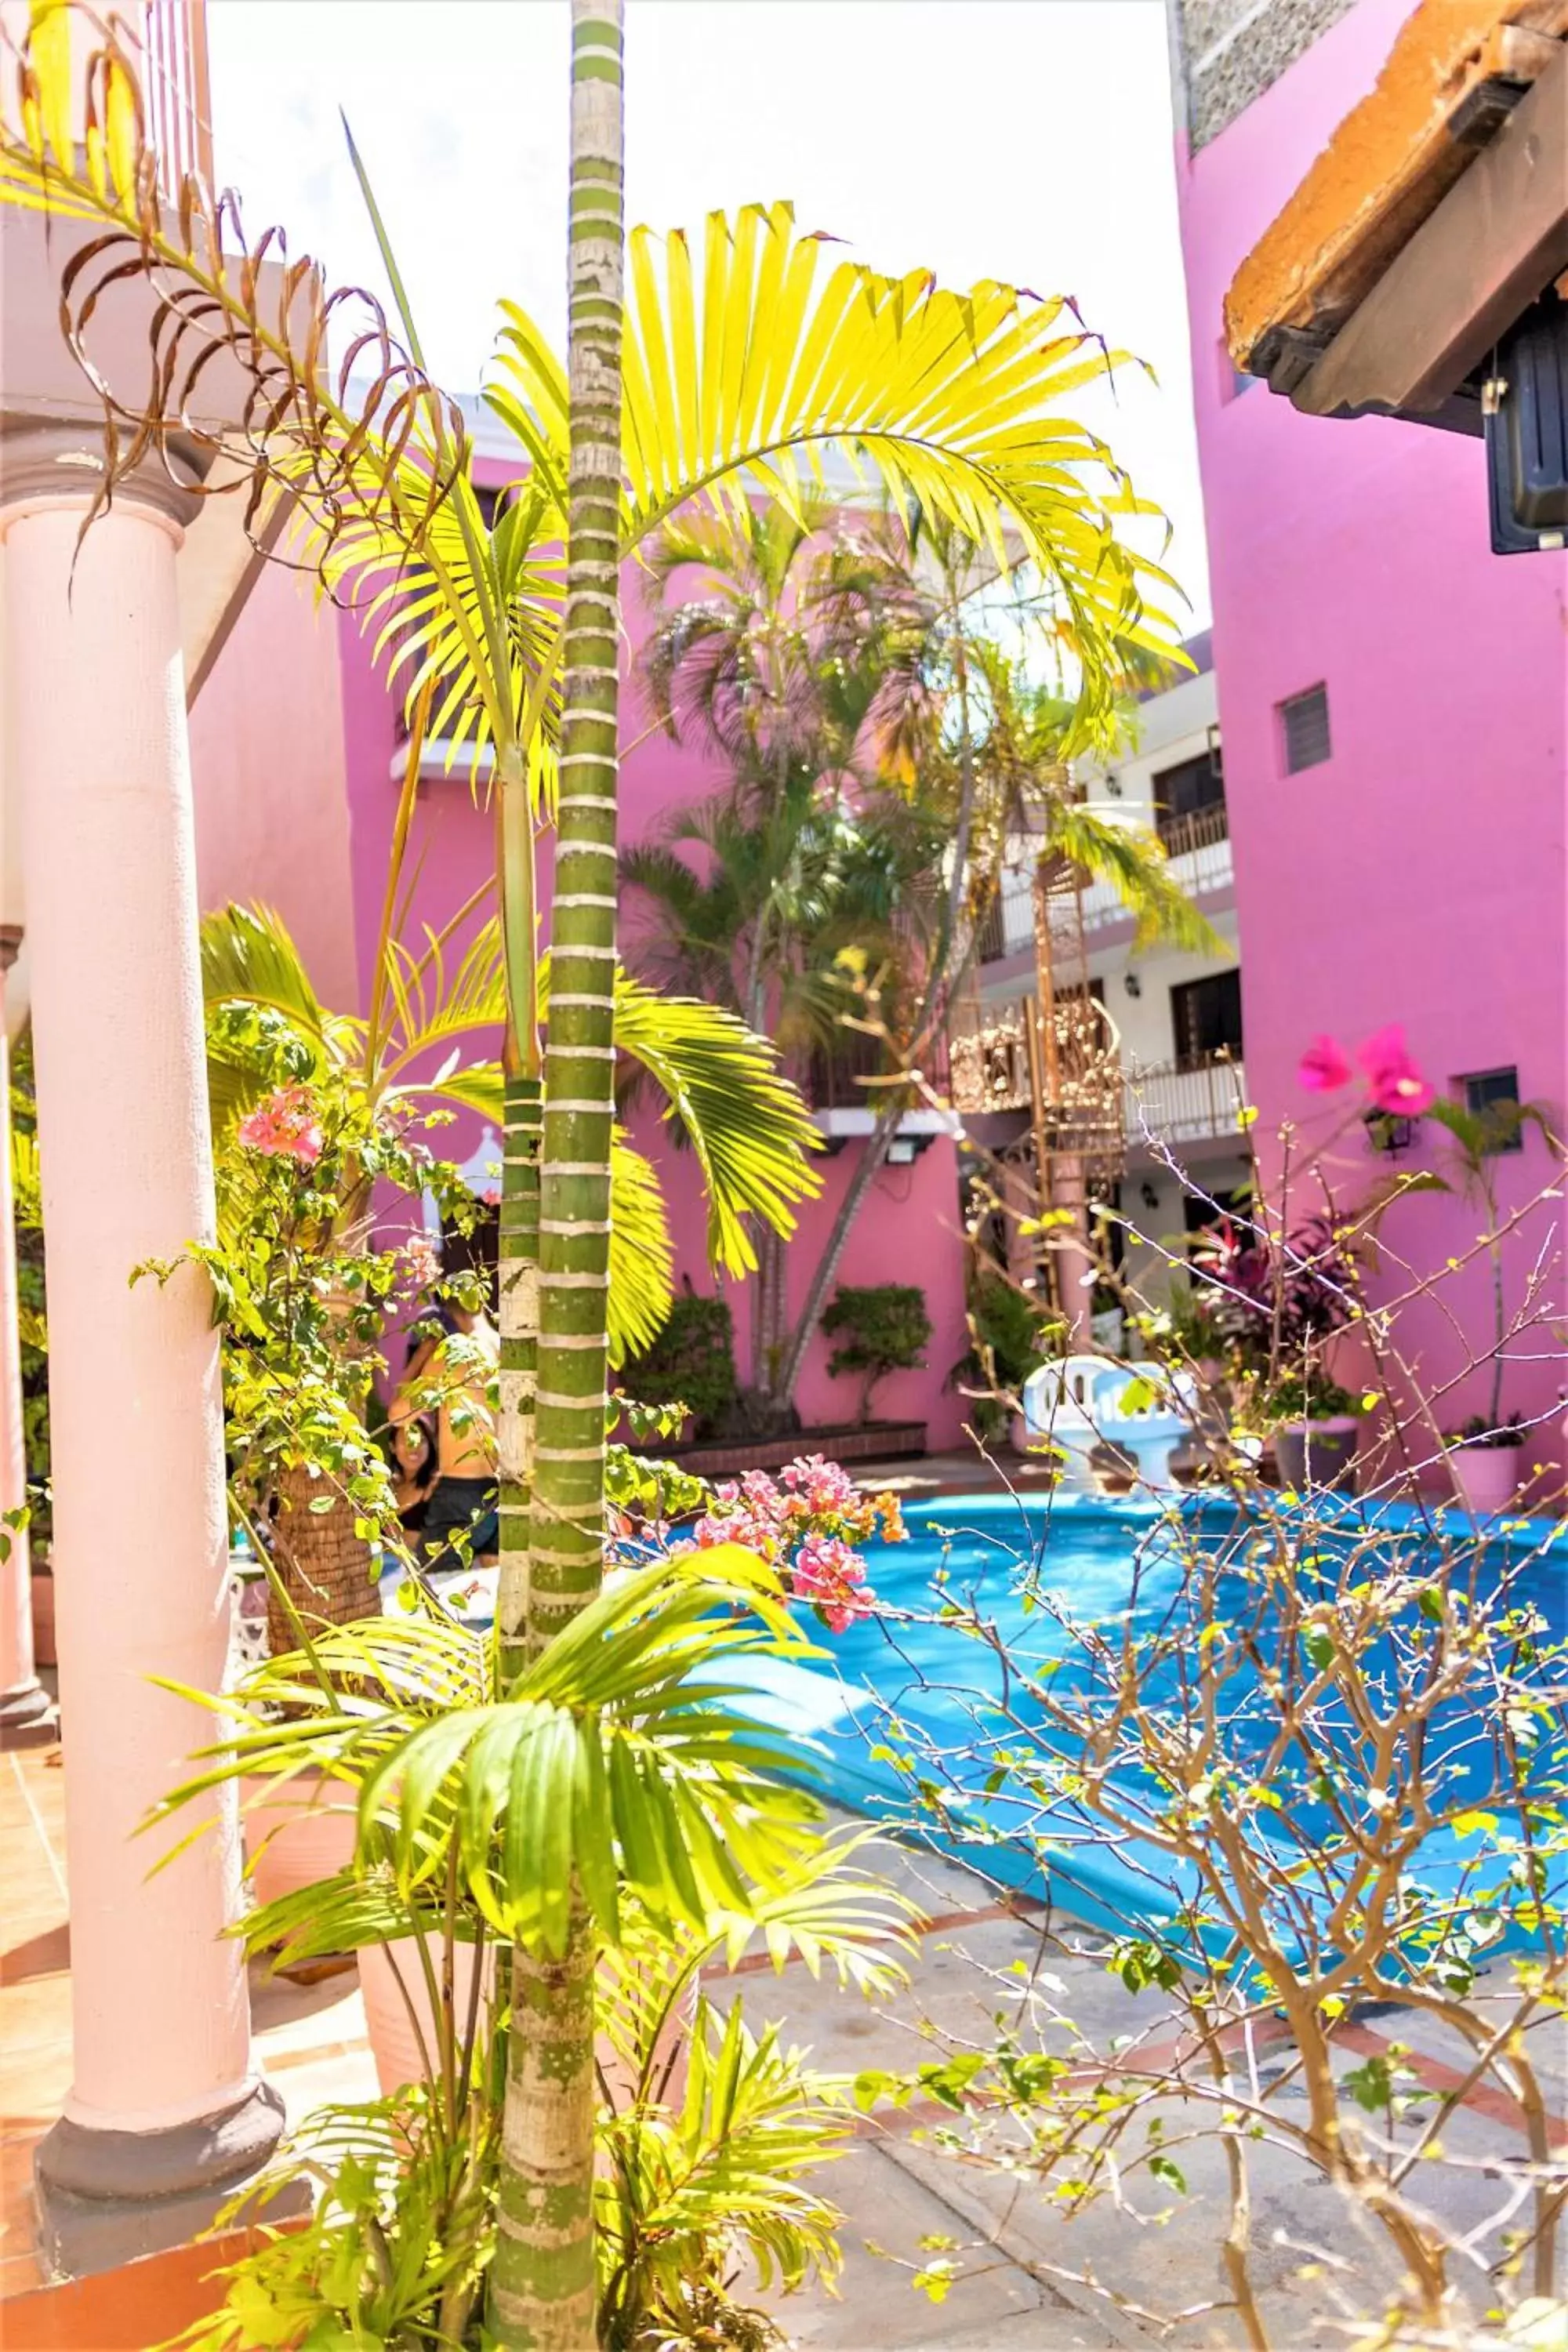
809 1522
830 1576
421 1262
1324 1066
1395 1081
285 1127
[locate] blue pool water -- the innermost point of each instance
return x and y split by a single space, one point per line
898 1698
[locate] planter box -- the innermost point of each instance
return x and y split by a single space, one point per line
143 2303
874 1441
1486 1476
1320 1453
43 1585
298 1830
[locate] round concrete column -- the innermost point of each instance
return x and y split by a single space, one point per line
166 2113
25 1713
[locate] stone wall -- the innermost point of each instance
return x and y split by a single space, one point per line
1229 52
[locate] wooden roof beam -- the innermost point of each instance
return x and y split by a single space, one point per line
1493 245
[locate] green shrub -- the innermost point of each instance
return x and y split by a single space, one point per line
883 1328
1012 1336
32 1327
691 1363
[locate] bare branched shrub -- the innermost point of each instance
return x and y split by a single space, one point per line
1300 1760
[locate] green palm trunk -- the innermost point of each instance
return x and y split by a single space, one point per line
579 1097
543 2294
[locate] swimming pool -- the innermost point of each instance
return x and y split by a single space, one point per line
906 1697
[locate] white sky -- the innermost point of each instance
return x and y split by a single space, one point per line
1022 140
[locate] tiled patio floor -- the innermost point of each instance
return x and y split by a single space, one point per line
897 2187
310 2039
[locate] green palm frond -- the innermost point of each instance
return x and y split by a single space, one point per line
26 1179
748 1125
436 1004
1133 860
642 1256
249 957
746 375
430 621
683 2192
617 1764
343 1913
825 1912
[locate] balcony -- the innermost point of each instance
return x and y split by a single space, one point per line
845 1105
1008 927
1000 1053
1198 848
1199 830
174 82
1176 1103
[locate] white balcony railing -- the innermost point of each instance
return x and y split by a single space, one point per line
1201 864
1175 1105
176 89
1198 848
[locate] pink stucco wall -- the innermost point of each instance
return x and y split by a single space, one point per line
1418 875
908 1229
267 765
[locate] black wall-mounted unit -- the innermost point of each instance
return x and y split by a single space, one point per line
1527 433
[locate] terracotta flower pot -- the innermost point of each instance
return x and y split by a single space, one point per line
1320 1453
395 2044
42 1583
296 1832
1486 1475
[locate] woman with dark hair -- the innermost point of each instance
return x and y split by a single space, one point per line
462 1498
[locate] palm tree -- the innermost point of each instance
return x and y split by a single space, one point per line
887 751
428 1043
735 374
1475 1139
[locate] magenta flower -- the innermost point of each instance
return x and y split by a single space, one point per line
421 1262
1395 1081
1324 1066
285 1126
829 1576
809 1521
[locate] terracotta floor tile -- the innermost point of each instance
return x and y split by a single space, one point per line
19 2274
33 2014
35 2083
18 2206
36 1945
22 1849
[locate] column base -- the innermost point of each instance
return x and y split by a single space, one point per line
107 2197
28 1717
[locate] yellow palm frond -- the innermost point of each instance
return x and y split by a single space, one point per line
751 372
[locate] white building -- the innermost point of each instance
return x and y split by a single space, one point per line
1177 1018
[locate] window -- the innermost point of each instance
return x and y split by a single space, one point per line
1493 1096
1206 1019
1202 1213
1190 789
1304 724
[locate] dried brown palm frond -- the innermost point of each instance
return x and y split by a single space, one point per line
237 333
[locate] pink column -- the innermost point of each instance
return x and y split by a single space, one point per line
25 1713
163 2102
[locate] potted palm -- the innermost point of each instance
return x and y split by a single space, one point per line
1318 1429
1484 1456
1484 1462
1270 1306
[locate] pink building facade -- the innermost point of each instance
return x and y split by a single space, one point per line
1394 700
298 762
